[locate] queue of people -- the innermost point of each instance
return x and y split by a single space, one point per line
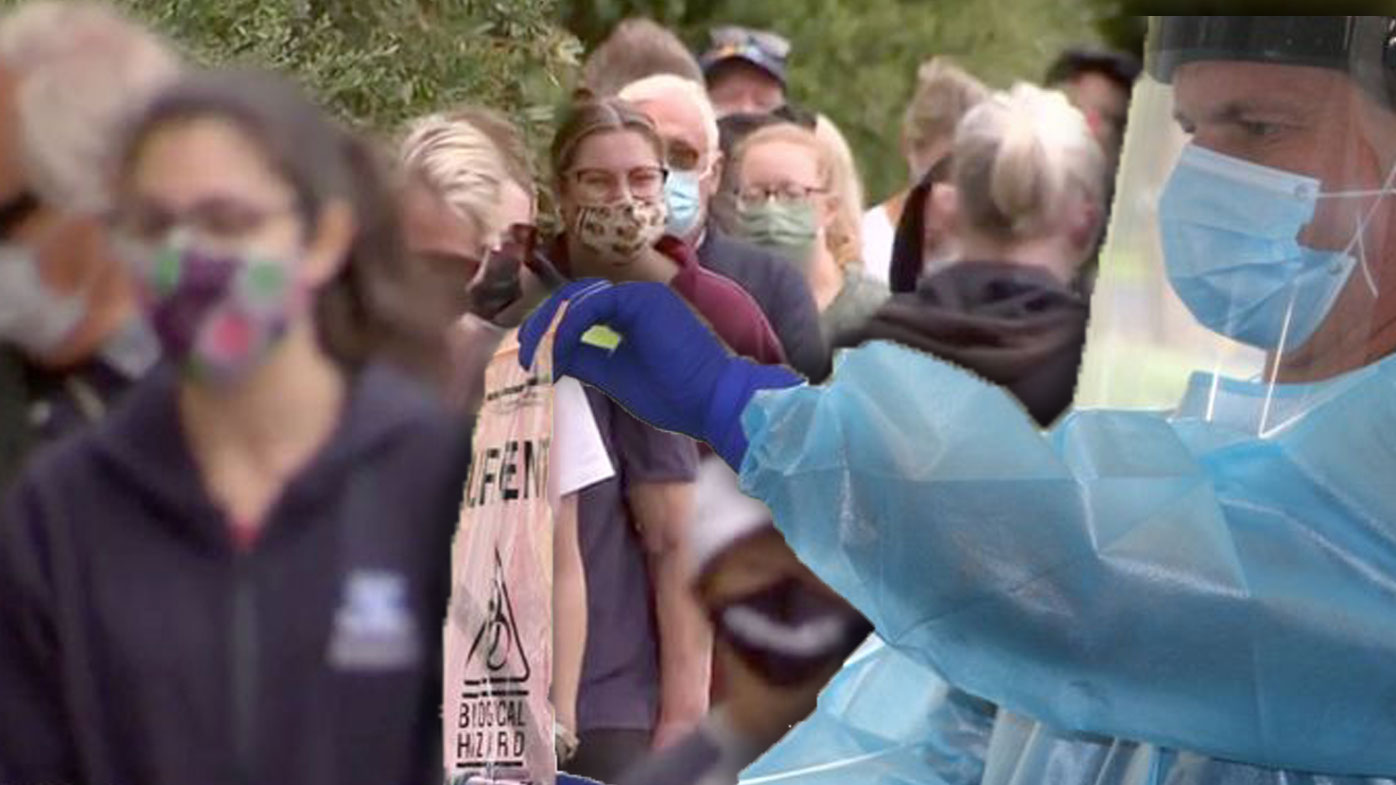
1193 595
241 349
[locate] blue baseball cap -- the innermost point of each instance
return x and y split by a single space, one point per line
763 49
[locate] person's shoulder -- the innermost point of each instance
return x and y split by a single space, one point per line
392 392
715 295
735 253
867 284
390 402
57 463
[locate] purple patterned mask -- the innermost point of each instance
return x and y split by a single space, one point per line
217 316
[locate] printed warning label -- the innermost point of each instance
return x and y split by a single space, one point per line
492 721
495 656
497 721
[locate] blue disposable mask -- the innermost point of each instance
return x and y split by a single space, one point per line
1230 233
682 194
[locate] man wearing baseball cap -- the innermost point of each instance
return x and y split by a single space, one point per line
745 70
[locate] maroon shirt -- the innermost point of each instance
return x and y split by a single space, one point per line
723 304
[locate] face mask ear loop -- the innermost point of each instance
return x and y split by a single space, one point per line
1357 239
1362 261
1275 370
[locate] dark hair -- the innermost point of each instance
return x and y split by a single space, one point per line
909 243
1119 67
372 308
635 49
592 117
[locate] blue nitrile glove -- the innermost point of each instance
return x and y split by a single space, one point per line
668 368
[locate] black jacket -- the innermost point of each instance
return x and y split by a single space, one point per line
139 647
781 292
38 405
1012 324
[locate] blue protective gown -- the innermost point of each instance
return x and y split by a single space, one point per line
884 719
1174 580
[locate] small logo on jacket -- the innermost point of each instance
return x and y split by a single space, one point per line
374 629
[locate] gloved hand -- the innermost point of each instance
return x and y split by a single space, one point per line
669 369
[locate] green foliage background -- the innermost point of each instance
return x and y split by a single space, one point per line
379 62
856 60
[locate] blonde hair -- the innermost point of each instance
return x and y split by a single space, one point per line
661 86
837 176
1017 154
459 160
845 235
944 95
83 72
789 133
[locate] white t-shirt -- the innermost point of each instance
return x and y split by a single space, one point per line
578 455
878 235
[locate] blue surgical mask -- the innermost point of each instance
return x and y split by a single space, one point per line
682 194
1230 233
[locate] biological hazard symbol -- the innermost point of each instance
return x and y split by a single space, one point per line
497 655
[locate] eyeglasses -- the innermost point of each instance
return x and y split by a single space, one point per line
681 157
604 185
737 38
787 193
217 218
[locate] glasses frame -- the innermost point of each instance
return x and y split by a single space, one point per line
781 195
573 176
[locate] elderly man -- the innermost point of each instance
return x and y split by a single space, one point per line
1201 596
686 120
71 340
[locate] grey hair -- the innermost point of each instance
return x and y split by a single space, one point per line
82 72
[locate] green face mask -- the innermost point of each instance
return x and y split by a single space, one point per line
786 228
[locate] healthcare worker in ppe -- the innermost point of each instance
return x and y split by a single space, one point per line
1216 583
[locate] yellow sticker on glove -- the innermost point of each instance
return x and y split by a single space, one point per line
602 337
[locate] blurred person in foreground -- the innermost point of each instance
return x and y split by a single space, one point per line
745 70
468 186
788 201
780 634
944 93
71 340
1182 597
685 119
241 573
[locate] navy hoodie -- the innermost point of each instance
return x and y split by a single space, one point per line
138 646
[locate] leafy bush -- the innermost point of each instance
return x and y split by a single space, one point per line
856 60
377 63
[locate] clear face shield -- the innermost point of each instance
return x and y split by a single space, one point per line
1245 276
